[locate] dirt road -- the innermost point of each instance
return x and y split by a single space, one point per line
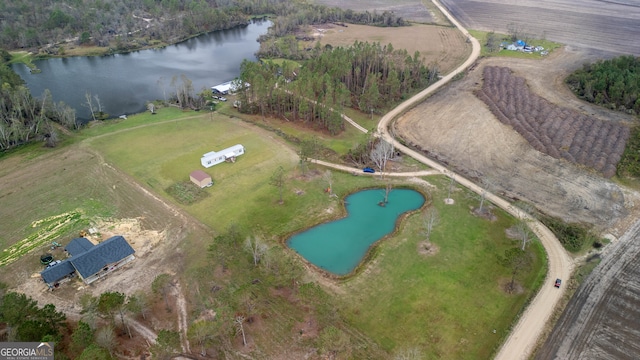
601 320
524 336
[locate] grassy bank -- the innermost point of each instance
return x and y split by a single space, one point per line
448 304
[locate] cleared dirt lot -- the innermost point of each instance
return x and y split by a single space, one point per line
611 26
457 128
155 229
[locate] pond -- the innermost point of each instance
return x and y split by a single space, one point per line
339 246
124 83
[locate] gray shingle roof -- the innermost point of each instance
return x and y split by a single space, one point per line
78 246
57 272
107 252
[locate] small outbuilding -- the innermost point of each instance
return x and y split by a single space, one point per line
201 178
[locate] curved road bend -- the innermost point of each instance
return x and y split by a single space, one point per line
525 334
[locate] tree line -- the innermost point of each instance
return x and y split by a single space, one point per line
125 25
613 83
365 76
24 118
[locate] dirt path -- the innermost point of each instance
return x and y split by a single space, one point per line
524 336
600 320
181 304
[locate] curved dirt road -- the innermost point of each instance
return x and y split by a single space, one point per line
524 335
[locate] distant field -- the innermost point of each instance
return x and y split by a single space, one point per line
443 46
413 10
603 25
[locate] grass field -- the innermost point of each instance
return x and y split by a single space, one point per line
464 274
446 305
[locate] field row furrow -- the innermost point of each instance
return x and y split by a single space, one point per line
559 132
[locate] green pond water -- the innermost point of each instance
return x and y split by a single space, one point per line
339 246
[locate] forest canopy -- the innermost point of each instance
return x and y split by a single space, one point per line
611 83
125 25
365 76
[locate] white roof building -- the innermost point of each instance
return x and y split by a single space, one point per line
216 157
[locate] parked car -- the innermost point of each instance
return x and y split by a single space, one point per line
558 282
222 98
368 170
215 97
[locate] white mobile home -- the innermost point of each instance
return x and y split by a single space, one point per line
216 157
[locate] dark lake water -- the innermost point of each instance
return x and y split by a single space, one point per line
339 246
125 82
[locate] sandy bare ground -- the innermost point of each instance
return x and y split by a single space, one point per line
458 129
522 340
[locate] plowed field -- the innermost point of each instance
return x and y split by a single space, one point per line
460 130
601 320
611 26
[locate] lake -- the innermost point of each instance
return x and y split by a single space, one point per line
125 82
339 246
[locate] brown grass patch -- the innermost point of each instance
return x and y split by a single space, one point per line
443 46
426 248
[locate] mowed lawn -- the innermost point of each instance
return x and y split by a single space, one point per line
165 153
448 304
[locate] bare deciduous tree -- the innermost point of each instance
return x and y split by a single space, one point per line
408 354
256 247
430 219
486 188
106 338
516 260
524 232
452 181
328 177
239 321
89 104
381 153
